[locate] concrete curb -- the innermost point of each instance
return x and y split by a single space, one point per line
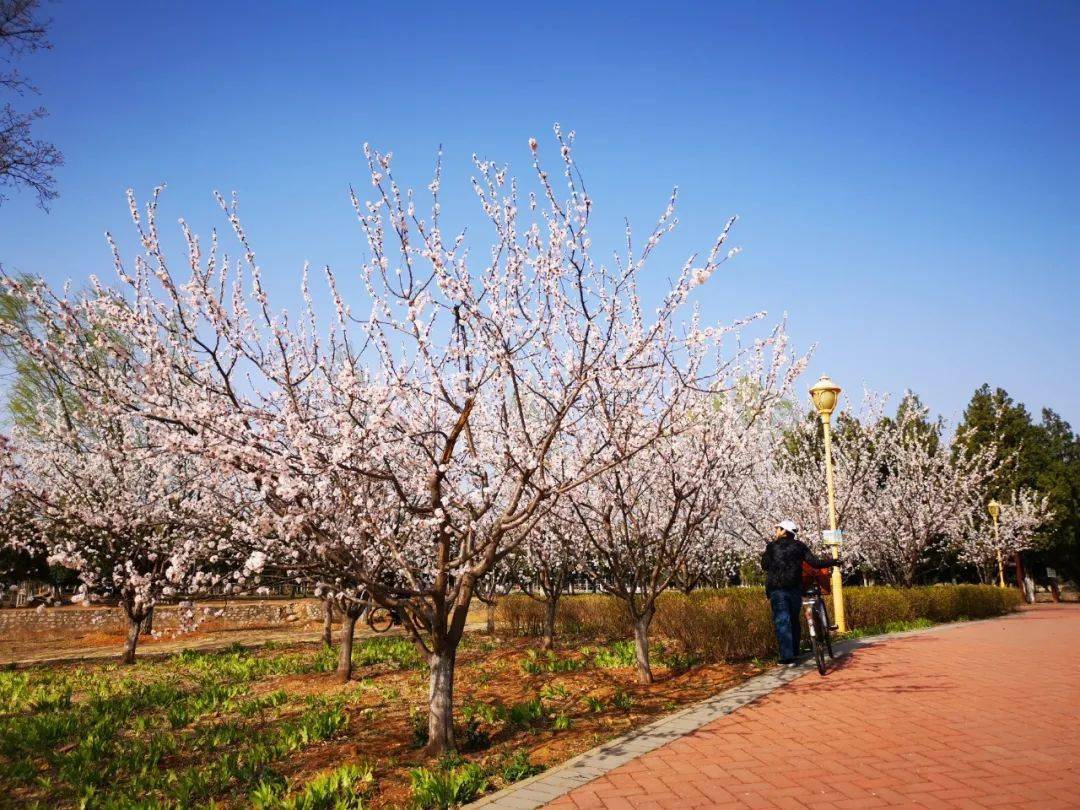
544 788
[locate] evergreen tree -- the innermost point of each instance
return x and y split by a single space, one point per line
1044 456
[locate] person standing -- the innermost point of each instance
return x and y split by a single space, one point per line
782 562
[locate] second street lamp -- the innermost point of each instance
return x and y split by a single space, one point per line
994 508
825 394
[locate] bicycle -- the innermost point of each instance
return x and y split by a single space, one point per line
381 619
817 621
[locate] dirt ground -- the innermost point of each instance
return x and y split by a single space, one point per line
490 673
385 707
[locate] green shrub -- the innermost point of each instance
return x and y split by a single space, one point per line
593 703
536 662
617 655
418 725
735 624
525 714
445 787
731 624
340 789
877 607
519 767
400 652
472 736
622 700
590 615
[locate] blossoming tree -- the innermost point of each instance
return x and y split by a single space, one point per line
1019 521
926 496
399 455
550 559
790 478
659 513
103 491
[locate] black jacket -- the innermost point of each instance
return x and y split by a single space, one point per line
782 563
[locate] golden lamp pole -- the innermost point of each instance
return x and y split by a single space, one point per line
994 508
825 393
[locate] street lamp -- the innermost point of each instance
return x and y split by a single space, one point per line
825 394
994 508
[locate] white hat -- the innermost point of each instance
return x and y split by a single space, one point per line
788 526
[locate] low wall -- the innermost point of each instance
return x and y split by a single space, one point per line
34 622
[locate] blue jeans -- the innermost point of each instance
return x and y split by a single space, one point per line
786 606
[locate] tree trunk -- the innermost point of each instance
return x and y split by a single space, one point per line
641 646
132 639
1029 589
551 609
441 703
328 623
147 627
348 627
491 616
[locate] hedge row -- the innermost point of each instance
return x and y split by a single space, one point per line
735 623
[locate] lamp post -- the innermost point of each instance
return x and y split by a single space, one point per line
825 394
994 508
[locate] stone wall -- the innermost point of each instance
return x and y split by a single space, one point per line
251 613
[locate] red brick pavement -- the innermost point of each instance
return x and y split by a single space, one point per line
979 715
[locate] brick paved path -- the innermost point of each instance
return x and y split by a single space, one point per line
980 715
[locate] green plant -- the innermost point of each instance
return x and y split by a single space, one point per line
593 704
418 725
486 712
472 736
560 722
536 662
341 789
531 664
267 794
622 700
400 652
525 714
519 767
554 691
617 655
443 787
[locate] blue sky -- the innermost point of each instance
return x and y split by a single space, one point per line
907 175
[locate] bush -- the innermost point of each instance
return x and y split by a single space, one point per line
399 652
341 789
591 616
733 624
447 786
519 767
876 607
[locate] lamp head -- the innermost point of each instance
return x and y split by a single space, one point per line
994 508
825 394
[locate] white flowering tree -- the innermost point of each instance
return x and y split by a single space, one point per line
1019 522
404 449
925 497
660 512
102 495
550 559
789 480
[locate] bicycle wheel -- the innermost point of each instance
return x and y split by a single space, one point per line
379 619
823 620
819 637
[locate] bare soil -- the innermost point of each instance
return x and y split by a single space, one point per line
489 672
